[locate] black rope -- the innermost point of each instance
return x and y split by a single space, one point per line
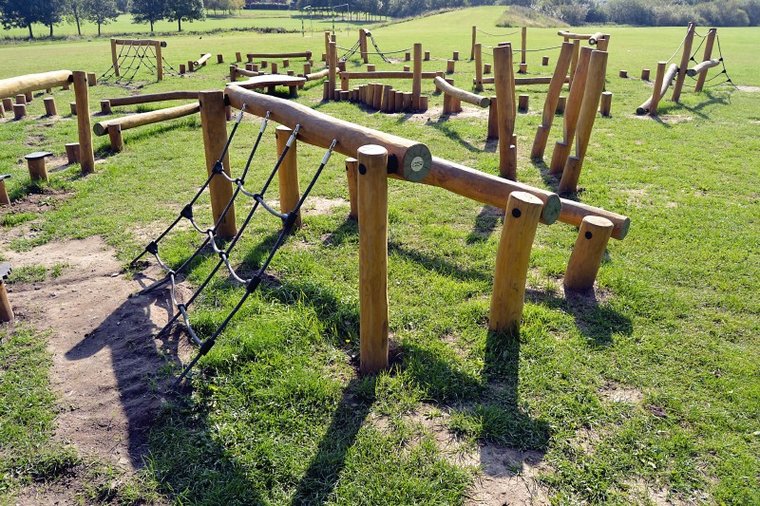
498 34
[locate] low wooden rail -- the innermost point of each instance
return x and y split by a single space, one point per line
146 118
106 104
32 82
274 56
463 95
702 67
661 85
524 81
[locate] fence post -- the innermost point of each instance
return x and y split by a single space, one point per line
504 82
82 97
417 77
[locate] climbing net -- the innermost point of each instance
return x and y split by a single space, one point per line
211 239
350 51
723 72
129 60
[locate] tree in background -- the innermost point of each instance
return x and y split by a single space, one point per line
148 11
228 6
184 10
122 5
52 12
22 13
75 13
100 12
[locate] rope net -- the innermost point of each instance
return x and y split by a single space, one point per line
211 239
130 59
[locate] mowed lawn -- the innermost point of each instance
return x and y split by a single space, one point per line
650 392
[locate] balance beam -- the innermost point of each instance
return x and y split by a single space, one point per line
702 67
32 82
146 118
666 82
153 97
463 95
139 42
523 81
274 56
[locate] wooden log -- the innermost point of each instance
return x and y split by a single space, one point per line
522 103
526 81
371 68
288 173
450 66
190 66
523 48
707 55
417 76
274 69
487 188
523 68
493 120
6 311
478 55
505 100
317 75
463 95
82 96
544 61
280 56
551 102
424 103
154 97
386 74
5 199
388 101
214 126
92 79
115 137
219 58
574 61
201 62
572 109
115 59
474 42
140 42
486 68
332 66
590 105
512 261
372 189
159 61
352 165
407 56
409 159
50 108
561 104
645 74
567 35
344 95
377 96
147 118
33 82
36 165
398 98
238 57
29 97
105 107
2 110
407 101
662 82
72 152
427 56
623 74
605 105
19 111
8 104
682 67
595 232
182 68
701 68
21 99
363 45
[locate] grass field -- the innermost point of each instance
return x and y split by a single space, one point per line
648 394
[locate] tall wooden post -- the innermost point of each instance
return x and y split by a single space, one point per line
327 45
82 97
288 173
708 55
552 98
474 41
681 76
524 47
417 77
658 79
587 255
114 58
363 45
574 61
352 165
159 62
505 102
332 58
372 189
214 125
478 54
114 135
572 108
521 217
593 91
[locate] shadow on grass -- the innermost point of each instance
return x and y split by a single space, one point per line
444 127
486 222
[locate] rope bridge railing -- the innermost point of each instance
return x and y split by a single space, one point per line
288 219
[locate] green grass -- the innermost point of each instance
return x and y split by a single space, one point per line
278 414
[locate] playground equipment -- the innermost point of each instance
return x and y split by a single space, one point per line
6 311
453 96
361 46
108 103
21 85
375 156
664 79
193 65
4 198
129 55
523 37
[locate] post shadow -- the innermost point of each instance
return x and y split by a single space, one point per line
486 222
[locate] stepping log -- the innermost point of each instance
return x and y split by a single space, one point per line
6 312
36 164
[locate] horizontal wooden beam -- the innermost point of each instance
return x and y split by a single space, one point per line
154 97
463 95
273 56
317 75
140 42
146 118
702 67
524 81
409 160
387 74
32 82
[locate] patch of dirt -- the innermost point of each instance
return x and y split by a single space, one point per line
36 202
107 366
749 89
641 492
614 392
670 119
319 205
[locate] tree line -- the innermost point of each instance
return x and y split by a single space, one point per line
24 13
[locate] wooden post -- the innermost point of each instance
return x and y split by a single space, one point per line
574 60
450 66
681 76
523 68
19 111
214 126
2 110
327 46
427 56
523 48
50 109
594 233
417 79
372 190
73 108
72 152
288 173
159 62
707 56
36 164
92 79
407 56
105 107
274 70
4 197
545 61
114 135
182 68
474 41
8 104
594 85
332 64
486 68
423 103
522 104
552 101
363 45
455 56
6 311
505 99
521 216
572 108
352 165
493 120
29 97
114 58
478 55
645 74
623 74
606 104
219 58
82 97
656 91
21 99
